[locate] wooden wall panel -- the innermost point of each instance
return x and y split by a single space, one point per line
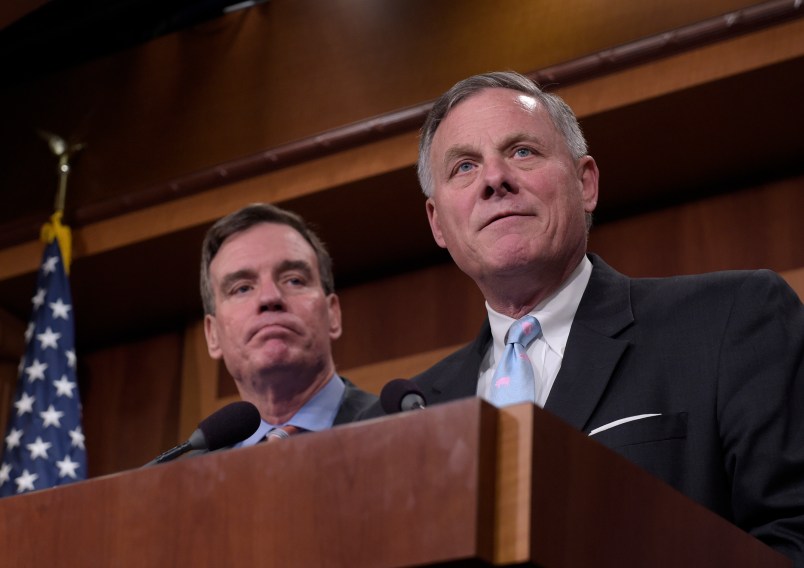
410 313
130 395
288 69
758 227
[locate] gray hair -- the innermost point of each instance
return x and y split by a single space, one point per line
560 113
242 220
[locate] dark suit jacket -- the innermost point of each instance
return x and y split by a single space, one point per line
354 402
718 356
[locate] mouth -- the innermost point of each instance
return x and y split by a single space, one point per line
270 330
501 216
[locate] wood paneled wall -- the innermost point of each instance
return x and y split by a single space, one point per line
130 397
285 70
254 80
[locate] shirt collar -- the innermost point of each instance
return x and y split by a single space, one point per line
317 414
555 313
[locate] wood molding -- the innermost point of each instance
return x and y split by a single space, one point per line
705 64
683 71
641 52
274 187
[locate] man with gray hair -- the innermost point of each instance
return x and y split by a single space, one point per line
697 379
271 314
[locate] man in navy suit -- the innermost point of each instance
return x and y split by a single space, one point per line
698 380
271 314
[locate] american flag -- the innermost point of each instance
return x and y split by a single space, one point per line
44 442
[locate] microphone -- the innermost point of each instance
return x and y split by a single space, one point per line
401 395
231 424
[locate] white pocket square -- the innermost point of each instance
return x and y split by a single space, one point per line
620 421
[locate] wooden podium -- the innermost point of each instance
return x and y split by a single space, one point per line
460 484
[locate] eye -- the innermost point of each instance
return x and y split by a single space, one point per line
523 152
463 167
295 281
240 289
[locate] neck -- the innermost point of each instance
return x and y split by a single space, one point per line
280 394
515 295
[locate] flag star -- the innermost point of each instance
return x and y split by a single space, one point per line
60 309
39 448
39 299
25 482
49 338
67 467
77 437
36 370
13 439
50 264
51 417
70 358
29 331
5 473
64 387
25 404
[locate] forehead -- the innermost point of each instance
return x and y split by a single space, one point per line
263 244
490 111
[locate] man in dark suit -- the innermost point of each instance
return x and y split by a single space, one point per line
271 314
698 380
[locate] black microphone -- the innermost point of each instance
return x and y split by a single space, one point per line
401 395
231 424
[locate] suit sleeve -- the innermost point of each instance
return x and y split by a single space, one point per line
761 411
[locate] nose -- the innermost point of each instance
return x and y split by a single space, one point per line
270 297
497 179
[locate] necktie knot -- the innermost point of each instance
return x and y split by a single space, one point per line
523 331
282 432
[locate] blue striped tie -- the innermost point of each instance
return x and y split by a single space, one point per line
514 380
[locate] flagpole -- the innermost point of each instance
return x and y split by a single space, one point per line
54 229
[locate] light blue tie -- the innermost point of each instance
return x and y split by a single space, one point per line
513 380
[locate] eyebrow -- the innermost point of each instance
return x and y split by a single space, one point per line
232 277
457 151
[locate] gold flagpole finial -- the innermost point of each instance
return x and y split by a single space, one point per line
54 229
63 152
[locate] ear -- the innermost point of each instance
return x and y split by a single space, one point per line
334 309
211 333
589 176
432 217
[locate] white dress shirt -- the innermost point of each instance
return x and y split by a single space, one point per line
555 315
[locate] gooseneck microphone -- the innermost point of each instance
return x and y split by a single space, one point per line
401 395
231 424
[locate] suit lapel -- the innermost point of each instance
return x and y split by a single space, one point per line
458 377
592 352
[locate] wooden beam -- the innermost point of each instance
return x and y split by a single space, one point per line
706 64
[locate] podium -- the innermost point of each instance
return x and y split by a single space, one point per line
463 483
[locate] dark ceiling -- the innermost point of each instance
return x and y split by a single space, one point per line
63 33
